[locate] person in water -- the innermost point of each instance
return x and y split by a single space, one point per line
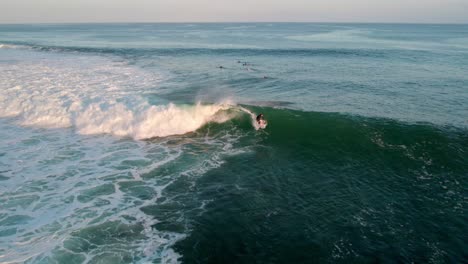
260 119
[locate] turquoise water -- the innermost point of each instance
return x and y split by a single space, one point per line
134 143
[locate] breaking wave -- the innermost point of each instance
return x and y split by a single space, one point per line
97 97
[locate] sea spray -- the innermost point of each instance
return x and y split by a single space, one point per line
152 121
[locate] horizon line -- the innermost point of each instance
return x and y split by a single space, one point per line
235 22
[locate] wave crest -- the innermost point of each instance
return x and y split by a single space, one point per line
95 96
154 121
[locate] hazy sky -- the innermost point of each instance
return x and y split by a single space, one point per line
415 11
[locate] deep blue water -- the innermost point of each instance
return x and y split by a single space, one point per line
134 143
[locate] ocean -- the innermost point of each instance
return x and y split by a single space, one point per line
136 143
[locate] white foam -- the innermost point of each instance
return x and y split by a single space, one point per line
53 168
37 239
151 121
10 46
97 97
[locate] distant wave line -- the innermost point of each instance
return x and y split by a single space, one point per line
361 52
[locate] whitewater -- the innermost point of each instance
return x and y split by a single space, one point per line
98 97
86 96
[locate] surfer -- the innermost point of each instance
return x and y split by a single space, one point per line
260 119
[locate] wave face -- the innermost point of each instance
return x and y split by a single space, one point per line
337 184
137 143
